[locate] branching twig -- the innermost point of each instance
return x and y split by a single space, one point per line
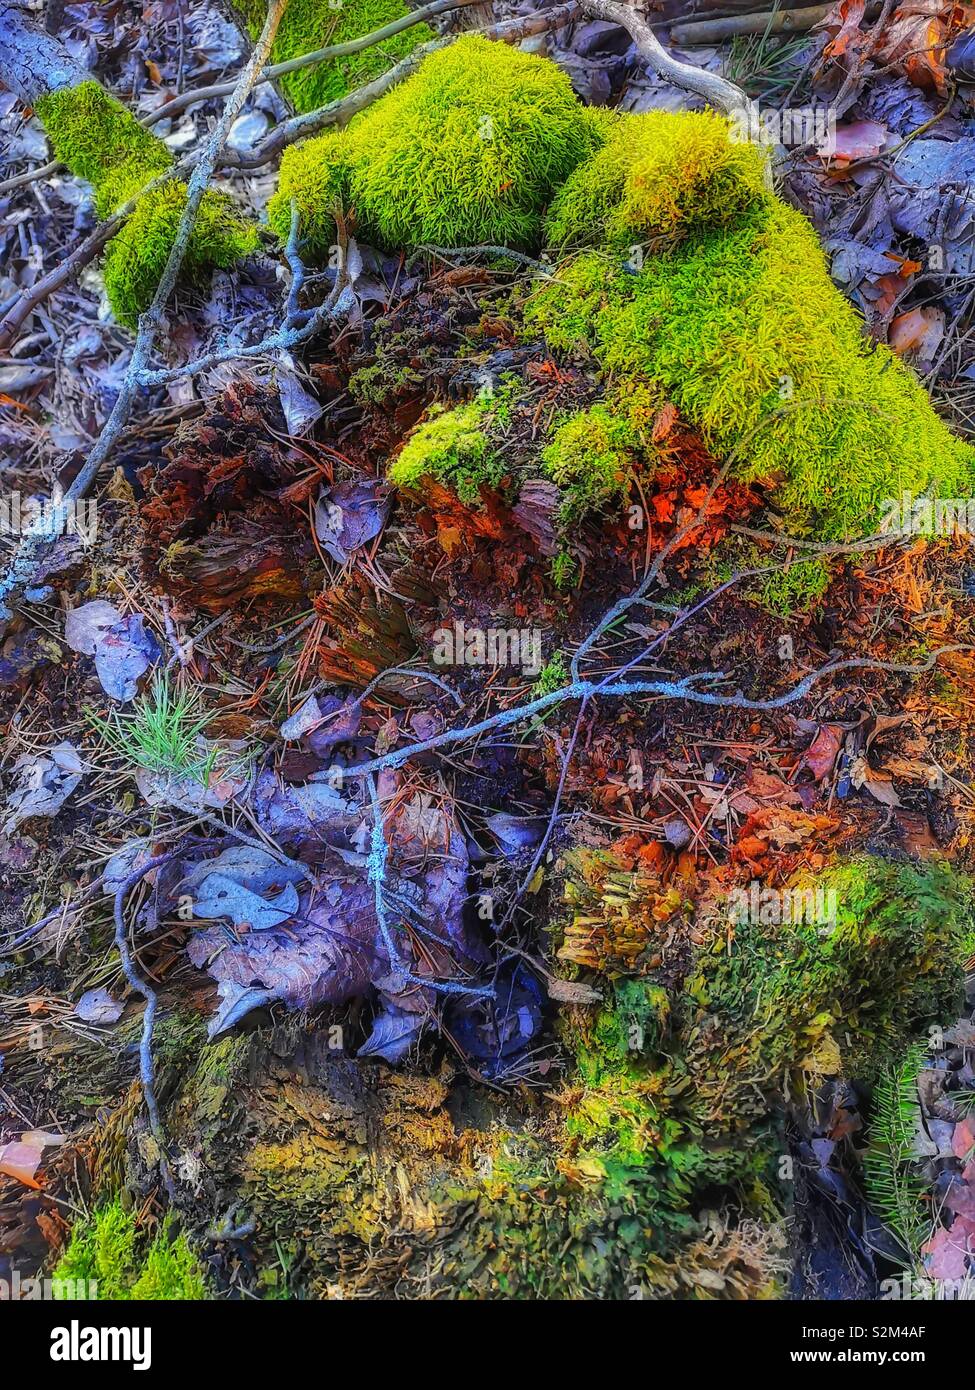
682 689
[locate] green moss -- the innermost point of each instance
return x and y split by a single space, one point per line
104 1248
795 589
660 174
101 141
311 24
453 448
842 995
746 334
553 676
591 457
565 569
314 178
135 258
467 151
170 1272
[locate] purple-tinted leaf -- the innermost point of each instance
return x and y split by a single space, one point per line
350 516
123 655
393 1034
84 627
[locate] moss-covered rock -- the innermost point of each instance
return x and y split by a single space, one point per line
468 151
101 141
311 24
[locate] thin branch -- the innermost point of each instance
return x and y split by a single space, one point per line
147 1071
682 689
716 90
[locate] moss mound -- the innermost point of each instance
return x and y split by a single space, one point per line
136 257
468 151
453 448
658 174
311 24
101 141
743 329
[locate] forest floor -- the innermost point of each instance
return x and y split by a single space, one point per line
253 563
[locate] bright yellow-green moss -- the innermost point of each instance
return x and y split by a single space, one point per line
453 448
311 24
745 332
314 178
796 588
135 258
101 141
104 1250
658 175
593 454
591 458
468 151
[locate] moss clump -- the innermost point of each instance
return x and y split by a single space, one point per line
101 141
592 457
314 178
797 588
744 331
657 175
844 995
459 448
452 448
467 151
311 24
135 258
104 1250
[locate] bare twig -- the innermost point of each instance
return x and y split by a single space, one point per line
146 1062
683 689
716 90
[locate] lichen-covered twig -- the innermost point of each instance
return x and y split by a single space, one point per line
298 327
684 688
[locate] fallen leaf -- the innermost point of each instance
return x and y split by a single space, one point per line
98 1006
45 781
